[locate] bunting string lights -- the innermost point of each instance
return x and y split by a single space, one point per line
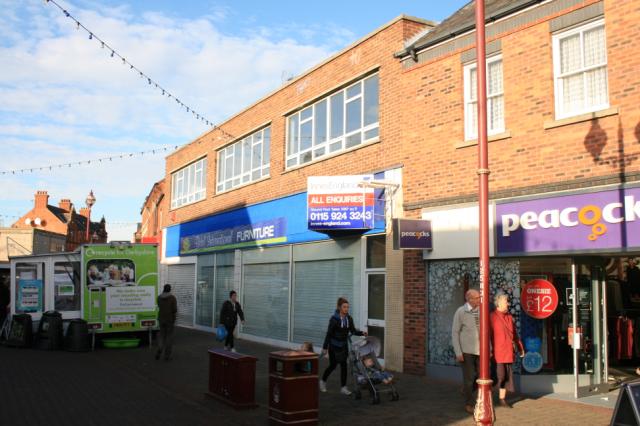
143 76
99 160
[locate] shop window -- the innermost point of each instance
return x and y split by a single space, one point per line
376 296
205 291
189 184
224 281
244 161
29 287
66 277
495 98
580 70
376 251
338 122
446 286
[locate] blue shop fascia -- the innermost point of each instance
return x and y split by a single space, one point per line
288 276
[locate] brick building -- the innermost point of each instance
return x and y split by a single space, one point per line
564 133
152 212
563 122
63 220
238 205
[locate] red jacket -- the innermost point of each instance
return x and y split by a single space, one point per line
503 336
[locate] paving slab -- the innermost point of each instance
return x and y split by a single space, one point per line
129 387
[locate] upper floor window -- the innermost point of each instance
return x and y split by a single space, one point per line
189 184
580 70
244 161
335 123
495 98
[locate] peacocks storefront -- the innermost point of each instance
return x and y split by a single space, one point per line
584 244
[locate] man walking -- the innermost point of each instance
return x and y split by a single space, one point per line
167 310
229 314
465 338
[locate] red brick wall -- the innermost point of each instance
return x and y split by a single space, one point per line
375 51
415 313
432 116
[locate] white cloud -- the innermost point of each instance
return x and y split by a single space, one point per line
65 99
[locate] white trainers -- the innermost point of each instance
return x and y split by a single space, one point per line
233 350
322 385
345 390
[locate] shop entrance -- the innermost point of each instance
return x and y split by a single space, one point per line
587 300
605 305
593 337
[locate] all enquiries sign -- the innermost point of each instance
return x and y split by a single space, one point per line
605 220
339 202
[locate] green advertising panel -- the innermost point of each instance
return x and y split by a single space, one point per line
121 286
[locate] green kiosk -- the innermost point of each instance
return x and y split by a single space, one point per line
112 286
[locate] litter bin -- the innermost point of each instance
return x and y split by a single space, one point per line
21 333
77 337
232 378
293 388
49 336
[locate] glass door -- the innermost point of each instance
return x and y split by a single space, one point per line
589 326
375 307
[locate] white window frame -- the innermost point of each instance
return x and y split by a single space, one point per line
324 149
244 177
471 131
183 184
558 76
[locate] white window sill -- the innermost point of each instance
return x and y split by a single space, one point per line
244 185
492 138
580 118
189 204
333 154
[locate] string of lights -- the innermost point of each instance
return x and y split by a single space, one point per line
151 82
99 160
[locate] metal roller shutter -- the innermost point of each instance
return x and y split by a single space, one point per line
266 300
182 279
318 285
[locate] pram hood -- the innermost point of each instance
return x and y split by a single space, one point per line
368 345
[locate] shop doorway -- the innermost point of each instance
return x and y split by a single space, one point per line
587 300
375 306
607 322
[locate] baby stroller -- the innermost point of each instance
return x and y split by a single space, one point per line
368 350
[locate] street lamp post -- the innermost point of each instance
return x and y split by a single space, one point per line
484 405
91 200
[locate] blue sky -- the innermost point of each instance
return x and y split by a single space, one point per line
65 99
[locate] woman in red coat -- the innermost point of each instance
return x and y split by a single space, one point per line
503 338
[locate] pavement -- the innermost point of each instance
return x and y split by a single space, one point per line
129 387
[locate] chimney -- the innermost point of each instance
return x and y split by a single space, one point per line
84 211
42 199
66 205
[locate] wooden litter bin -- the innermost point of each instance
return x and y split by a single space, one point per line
232 378
293 388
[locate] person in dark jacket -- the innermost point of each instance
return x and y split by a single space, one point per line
335 343
229 314
167 311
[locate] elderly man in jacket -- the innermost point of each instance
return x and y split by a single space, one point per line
465 338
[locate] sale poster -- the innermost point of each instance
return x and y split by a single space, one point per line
539 298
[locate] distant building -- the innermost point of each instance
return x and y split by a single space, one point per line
150 230
63 220
22 242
